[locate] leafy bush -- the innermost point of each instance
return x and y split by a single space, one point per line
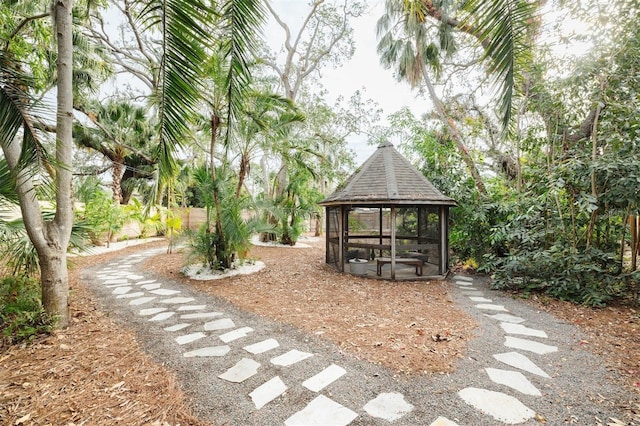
21 314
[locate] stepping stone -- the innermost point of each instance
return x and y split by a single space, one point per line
201 315
498 405
127 284
443 421
116 281
164 292
477 299
221 324
474 292
513 379
324 378
521 329
240 372
267 392
462 278
188 338
388 406
517 360
235 334
192 307
151 311
151 286
529 345
260 347
145 282
130 295
177 327
290 358
162 316
507 318
208 351
465 284
135 277
141 301
176 300
322 411
122 290
491 307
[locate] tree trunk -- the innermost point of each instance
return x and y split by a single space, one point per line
455 134
55 284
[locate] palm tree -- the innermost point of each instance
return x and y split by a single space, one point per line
407 29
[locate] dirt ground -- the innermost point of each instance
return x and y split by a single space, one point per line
96 373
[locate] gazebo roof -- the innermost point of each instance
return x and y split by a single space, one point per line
387 178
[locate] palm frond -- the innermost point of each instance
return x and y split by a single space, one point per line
504 28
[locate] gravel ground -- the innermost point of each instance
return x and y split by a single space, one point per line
580 391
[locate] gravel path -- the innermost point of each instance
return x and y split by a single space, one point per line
523 367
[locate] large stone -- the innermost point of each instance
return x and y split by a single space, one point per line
208 351
388 406
517 360
240 372
523 330
491 307
507 318
324 378
267 392
529 345
443 421
322 411
500 406
221 324
260 347
235 334
514 380
188 338
290 358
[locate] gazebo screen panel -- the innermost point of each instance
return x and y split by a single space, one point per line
333 237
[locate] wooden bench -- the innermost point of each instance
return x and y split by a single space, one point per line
418 263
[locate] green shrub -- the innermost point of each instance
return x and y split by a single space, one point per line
21 314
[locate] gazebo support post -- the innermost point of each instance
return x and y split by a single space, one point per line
393 242
341 230
444 240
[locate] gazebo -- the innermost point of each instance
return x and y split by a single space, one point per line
388 221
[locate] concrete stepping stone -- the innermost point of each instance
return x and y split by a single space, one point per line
529 345
162 316
145 282
443 421
491 307
521 329
477 299
141 301
116 281
221 324
513 379
290 358
208 352
517 360
151 311
178 300
324 378
151 286
267 392
192 307
261 347
188 338
388 406
462 278
121 290
465 284
507 318
127 284
235 334
134 277
240 372
130 295
201 315
498 405
473 292
164 292
177 327
322 411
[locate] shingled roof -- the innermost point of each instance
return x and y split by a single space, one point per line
387 178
